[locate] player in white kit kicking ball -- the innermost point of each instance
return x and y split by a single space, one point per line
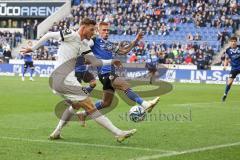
64 83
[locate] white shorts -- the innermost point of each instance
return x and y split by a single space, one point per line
73 88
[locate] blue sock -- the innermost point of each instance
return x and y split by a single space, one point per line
99 105
89 89
133 96
227 89
23 73
31 73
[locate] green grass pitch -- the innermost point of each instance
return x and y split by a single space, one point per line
205 128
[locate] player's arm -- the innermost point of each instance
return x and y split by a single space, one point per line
50 35
91 59
226 62
125 49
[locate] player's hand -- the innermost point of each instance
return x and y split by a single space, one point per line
139 36
117 63
26 50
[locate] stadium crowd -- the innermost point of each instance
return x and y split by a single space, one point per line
160 17
154 17
8 41
175 54
47 52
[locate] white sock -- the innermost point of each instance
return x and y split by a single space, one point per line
145 104
105 122
67 115
60 125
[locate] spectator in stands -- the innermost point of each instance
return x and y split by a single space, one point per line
7 54
201 63
188 59
197 37
222 36
18 38
1 52
133 58
28 30
162 58
25 29
222 59
10 39
190 37
35 24
129 17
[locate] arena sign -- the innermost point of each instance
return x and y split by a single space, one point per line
30 9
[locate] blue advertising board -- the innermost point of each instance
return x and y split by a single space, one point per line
170 75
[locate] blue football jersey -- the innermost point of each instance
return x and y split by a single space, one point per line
104 49
80 66
234 56
27 58
152 62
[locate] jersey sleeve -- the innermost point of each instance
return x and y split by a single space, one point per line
49 35
226 53
86 50
67 35
90 42
112 47
116 47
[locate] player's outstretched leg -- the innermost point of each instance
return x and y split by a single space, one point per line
91 86
227 89
147 105
86 77
82 117
94 114
120 135
151 80
31 74
121 84
125 135
67 114
106 101
105 122
23 73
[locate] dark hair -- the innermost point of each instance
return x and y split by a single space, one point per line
88 21
233 38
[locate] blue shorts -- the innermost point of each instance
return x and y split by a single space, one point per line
233 73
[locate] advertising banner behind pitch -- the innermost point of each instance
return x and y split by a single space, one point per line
170 75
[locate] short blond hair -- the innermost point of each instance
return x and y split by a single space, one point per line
103 24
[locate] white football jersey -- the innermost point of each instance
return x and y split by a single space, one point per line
70 48
71 45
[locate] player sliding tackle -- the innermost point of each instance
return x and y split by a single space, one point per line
67 86
104 49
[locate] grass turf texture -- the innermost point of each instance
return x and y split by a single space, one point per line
27 118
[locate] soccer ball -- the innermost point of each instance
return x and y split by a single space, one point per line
137 114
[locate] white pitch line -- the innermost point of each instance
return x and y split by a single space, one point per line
204 103
87 144
157 156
